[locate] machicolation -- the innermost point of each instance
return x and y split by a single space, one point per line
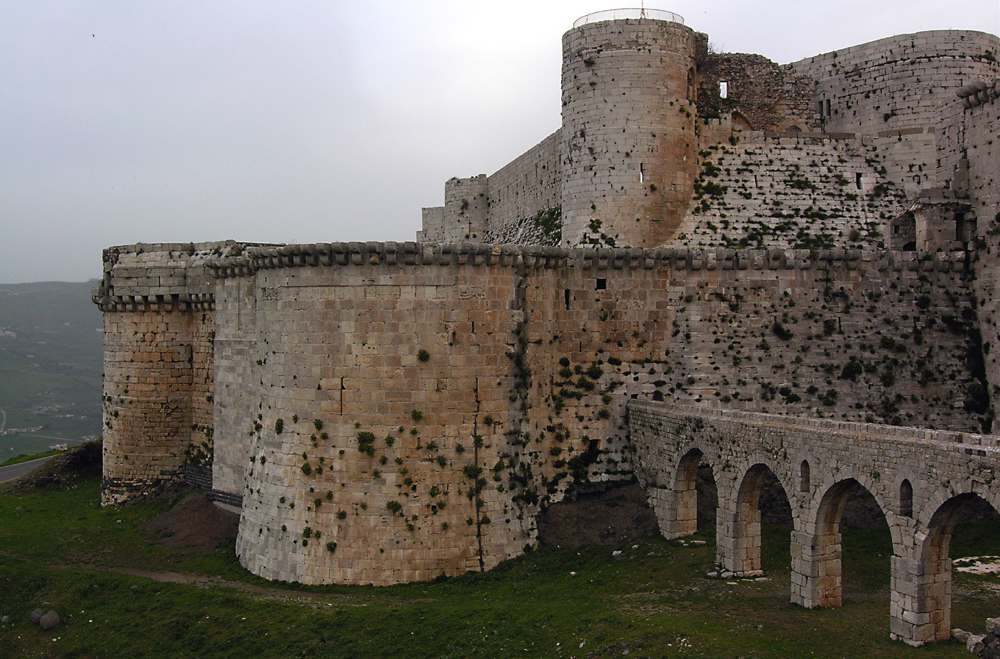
715 260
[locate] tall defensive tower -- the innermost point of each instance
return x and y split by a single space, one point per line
628 139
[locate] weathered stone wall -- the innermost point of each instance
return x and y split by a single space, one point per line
627 158
919 478
535 351
765 96
158 362
432 225
982 139
410 361
237 383
804 192
530 183
895 90
494 208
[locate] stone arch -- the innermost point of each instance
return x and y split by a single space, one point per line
677 508
686 494
738 528
925 616
739 121
876 485
819 583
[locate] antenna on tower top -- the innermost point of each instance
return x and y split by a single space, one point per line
642 9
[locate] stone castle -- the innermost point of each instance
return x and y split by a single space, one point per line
709 241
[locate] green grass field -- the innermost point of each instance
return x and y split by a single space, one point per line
60 546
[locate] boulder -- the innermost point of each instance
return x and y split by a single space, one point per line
49 620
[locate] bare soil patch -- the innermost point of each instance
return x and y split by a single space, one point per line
611 517
195 524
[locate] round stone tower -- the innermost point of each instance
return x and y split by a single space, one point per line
628 149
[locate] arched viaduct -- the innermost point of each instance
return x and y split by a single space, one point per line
920 479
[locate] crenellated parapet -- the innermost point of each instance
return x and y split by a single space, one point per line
533 257
159 277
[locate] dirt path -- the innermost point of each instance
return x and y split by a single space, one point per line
313 600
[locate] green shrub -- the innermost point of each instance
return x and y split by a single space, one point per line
366 443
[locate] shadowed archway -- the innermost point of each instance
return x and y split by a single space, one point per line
743 554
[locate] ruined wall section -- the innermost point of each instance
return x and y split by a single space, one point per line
158 303
760 94
628 134
894 89
793 192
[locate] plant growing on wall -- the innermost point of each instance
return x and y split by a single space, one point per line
366 443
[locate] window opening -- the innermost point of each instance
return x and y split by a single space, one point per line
906 498
602 284
723 89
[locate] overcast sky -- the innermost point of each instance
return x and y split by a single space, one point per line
125 122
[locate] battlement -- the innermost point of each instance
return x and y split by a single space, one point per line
161 276
520 256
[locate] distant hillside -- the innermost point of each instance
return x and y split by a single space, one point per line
50 365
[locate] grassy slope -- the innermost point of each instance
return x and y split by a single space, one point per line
50 364
60 546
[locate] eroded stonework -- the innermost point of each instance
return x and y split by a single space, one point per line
820 244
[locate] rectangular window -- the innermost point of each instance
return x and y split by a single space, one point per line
723 89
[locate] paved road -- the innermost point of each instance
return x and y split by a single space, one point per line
18 470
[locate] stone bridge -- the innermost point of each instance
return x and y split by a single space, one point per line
920 478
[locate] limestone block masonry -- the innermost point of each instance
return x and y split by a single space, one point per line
628 132
391 412
427 400
158 362
642 101
919 479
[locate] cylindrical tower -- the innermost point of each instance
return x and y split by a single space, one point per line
159 325
628 135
